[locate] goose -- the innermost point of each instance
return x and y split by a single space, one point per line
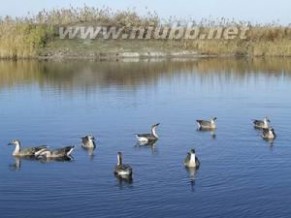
191 160
122 170
148 137
88 142
24 152
261 124
268 133
207 124
56 153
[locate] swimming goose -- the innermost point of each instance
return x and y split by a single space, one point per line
261 124
268 133
148 137
191 160
57 153
88 142
122 170
24 152
205 124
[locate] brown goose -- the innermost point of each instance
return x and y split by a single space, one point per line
122 170
268 133
191 160
25 152
148 137
207 124
261 124
56 153
88 142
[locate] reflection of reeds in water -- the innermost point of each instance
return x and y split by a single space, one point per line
90 75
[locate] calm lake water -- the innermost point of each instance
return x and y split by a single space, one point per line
56 103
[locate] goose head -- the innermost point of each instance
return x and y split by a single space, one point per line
192 151
154 130
272 131
91 138
14 142
155 125
266 120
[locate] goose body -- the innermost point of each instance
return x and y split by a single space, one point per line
268 133
191 160
148 137
88 142
25 152
56 153
206 124
122 170
261 124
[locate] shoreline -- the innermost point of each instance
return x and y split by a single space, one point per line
118 56
134 56
137 56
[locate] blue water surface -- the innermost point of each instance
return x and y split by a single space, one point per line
56 103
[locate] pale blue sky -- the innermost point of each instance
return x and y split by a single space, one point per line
262 11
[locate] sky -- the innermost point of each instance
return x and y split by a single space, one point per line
256 11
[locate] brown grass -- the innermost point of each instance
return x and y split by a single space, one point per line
35 35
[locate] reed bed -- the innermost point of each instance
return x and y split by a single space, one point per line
35 35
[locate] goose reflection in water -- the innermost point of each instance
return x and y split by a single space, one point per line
90 152
192 172
210 131
270 143
56 159
16 166
124 180
18 161
150 145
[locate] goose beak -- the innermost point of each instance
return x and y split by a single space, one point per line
10 143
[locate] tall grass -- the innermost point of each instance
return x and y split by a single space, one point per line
24 37
19 39
28 36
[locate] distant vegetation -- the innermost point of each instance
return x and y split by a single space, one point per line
36 35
